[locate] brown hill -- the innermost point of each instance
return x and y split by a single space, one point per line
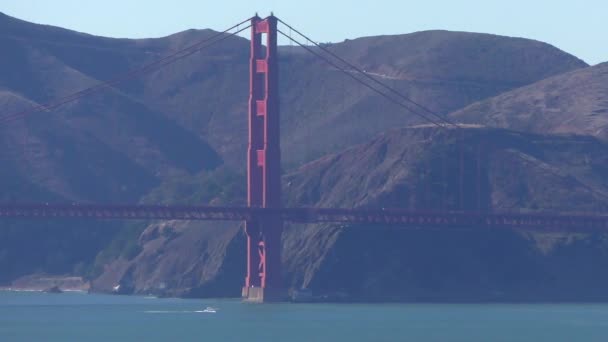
446 56
439 69
323 110
104 147
573 102
189 117
400 169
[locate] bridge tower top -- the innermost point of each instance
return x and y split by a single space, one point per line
264 156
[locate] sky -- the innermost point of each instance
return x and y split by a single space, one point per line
577 27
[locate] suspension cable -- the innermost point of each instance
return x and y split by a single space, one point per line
384 85
399 103
394 91
155 65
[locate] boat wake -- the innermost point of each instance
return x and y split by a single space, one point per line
206 310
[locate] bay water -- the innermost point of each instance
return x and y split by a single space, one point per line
35 316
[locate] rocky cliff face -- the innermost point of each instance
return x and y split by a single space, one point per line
418 168
181 259
400 169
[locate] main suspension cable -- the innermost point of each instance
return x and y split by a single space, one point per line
394 91
349 74
357 69
155 65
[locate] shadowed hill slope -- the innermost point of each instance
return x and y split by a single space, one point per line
400 169
323 110
573 102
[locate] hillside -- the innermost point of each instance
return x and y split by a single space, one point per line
206 94
573 102
461 57
178 135
399 169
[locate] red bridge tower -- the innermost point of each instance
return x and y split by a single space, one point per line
263 282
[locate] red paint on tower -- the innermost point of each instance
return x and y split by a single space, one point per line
263 281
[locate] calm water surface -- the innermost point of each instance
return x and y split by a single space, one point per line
29 316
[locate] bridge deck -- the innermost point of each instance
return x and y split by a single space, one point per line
400 217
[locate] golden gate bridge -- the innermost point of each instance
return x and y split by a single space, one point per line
264 215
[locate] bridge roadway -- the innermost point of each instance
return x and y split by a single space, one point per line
401 217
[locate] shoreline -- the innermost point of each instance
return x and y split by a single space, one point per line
354 302
12 289
48 283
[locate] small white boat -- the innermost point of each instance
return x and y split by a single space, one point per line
209 309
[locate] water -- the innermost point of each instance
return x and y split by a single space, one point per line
29 316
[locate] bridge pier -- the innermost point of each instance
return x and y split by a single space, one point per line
263 282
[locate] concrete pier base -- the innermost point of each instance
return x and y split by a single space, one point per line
256 294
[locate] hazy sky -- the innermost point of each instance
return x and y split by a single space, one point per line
579 27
